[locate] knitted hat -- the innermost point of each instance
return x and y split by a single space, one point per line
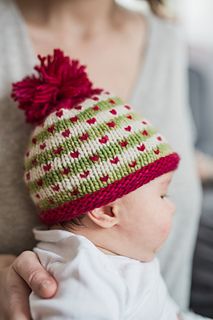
88 147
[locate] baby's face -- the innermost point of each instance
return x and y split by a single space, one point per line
146 217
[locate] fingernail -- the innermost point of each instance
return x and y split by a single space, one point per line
46 284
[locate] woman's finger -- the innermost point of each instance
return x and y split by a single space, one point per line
38 279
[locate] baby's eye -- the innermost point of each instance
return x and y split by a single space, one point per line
163 196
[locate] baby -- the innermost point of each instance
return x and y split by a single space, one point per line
99 175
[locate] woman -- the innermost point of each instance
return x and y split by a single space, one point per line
141 59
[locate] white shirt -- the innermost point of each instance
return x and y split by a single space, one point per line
96 286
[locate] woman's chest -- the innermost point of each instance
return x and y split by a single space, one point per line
113 61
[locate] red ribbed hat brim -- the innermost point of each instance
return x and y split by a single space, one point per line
110 193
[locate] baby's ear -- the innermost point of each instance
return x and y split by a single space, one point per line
104 217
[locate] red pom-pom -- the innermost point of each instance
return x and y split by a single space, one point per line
60 83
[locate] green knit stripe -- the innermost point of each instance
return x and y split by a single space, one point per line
74 142
78 165
64 123
91 185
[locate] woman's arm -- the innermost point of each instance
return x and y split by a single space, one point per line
18 276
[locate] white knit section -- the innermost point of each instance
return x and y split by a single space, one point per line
101 169
67 113
90 148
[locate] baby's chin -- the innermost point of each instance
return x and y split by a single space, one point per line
147 259
144 257
149 256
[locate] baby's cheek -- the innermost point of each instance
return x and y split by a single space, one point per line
165 227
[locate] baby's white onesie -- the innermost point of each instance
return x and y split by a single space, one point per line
96 286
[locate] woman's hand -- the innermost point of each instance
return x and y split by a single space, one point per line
18 276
